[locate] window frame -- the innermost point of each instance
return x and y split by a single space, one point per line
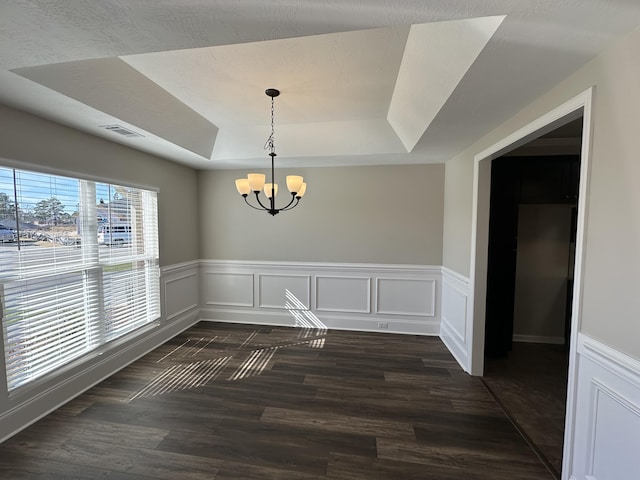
151 271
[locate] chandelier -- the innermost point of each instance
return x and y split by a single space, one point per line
255 182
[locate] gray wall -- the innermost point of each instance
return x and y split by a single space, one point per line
27 138
611 303
382 214
458 197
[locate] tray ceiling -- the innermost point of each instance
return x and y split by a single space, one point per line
387 82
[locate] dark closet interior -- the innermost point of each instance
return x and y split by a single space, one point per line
517 185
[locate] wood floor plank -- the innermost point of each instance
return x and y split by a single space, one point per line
480 425
136 461
249 448
472 392
242 402
472 439
352 467
127 476
27 446
286 436
37 468
531 385
341 370
384 393
427 377
338 423
75 406
505 465
107 432
476 407
245 471
141 415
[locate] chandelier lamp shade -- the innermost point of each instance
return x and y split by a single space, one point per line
255 182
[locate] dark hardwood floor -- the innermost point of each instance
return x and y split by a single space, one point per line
531 384
225 401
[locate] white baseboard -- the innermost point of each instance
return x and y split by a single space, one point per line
453 344
607 414
538 339
323 322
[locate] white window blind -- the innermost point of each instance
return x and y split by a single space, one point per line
129 226
84 271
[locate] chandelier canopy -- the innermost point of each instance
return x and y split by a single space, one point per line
255 182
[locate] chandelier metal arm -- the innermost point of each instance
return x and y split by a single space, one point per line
253 206
288 206
259 202
272 210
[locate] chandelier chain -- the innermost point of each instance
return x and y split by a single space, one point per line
270 144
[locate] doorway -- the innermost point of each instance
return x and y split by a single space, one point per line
532 233
579 106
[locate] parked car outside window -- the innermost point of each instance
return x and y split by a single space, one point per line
115 234
7 235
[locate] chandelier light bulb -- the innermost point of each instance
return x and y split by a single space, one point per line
294 183
267 189
243 187
256 181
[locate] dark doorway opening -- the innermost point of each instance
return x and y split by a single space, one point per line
532 235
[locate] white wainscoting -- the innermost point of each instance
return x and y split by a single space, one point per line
180 286
270 288
366 297
455 324
606 439
406 297
180 310
228 289
343 294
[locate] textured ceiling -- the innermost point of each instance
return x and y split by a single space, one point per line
363 82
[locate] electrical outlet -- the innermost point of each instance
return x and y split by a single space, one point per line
383 324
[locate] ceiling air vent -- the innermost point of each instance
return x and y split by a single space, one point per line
121 130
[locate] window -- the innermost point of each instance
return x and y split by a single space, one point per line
80 270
